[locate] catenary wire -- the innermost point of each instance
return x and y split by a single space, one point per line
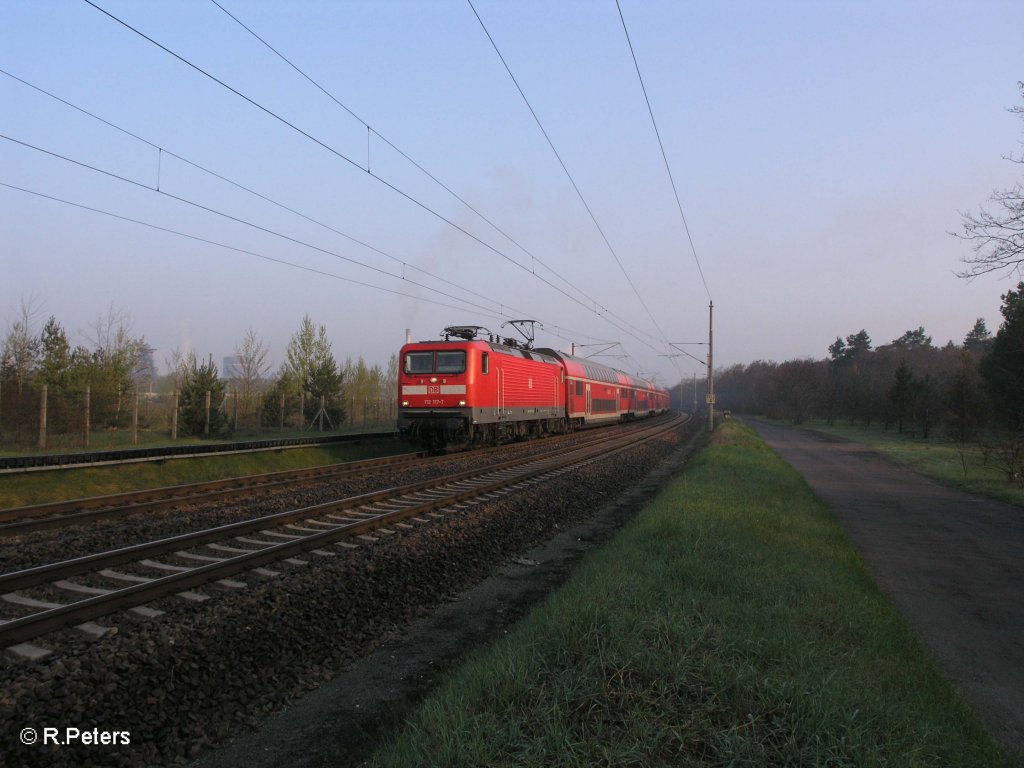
353 163
664 156
419 166
551 329
236 219
253 192
567 173
256 254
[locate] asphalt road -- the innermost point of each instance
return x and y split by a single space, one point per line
952 563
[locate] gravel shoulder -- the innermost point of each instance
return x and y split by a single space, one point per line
951 562
340 723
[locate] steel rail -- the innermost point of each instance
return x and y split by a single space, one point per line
31 577
33 625
37 517
51 515
27 463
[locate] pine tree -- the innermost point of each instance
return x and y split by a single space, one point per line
1003 366
196 380
978 339
902 392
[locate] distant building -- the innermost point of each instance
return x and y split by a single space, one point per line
232 367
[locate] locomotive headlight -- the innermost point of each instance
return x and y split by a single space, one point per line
462 402
405 403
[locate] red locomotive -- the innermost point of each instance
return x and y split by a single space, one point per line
465 391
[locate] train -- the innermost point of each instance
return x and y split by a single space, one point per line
473 388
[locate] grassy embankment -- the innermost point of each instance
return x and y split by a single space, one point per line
55 485
935 457
730 624
121 439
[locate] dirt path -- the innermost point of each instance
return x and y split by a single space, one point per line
952 563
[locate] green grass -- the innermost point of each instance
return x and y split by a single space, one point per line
935 457
120 439
57 485
731 624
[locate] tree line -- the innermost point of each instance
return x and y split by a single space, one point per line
99 385
969 392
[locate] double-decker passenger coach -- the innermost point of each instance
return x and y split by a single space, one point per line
464 390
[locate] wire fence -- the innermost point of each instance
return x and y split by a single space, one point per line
45 419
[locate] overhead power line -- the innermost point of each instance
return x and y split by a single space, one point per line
572 181
237 185
422 169
237 220
552 329
244 251
378 178
664 157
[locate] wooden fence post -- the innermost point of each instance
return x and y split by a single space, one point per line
135 421
42 418
206 425
86 416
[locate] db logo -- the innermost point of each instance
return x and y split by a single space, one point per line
433 390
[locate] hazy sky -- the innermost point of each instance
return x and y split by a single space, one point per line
822 152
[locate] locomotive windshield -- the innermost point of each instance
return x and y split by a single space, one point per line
419 362
451 362
446 362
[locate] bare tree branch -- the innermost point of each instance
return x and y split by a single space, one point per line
997 235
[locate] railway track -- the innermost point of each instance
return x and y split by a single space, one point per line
37 517
215 554
51 461
55 515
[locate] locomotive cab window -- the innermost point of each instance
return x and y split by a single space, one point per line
485 363
419 362
451 362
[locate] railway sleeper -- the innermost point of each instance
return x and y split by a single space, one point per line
230 550
72 586
164 566
257 542
30 602
107 573
201 558
27 652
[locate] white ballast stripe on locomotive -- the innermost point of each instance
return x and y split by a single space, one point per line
442 389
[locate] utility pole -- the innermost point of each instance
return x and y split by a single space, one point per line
711 369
